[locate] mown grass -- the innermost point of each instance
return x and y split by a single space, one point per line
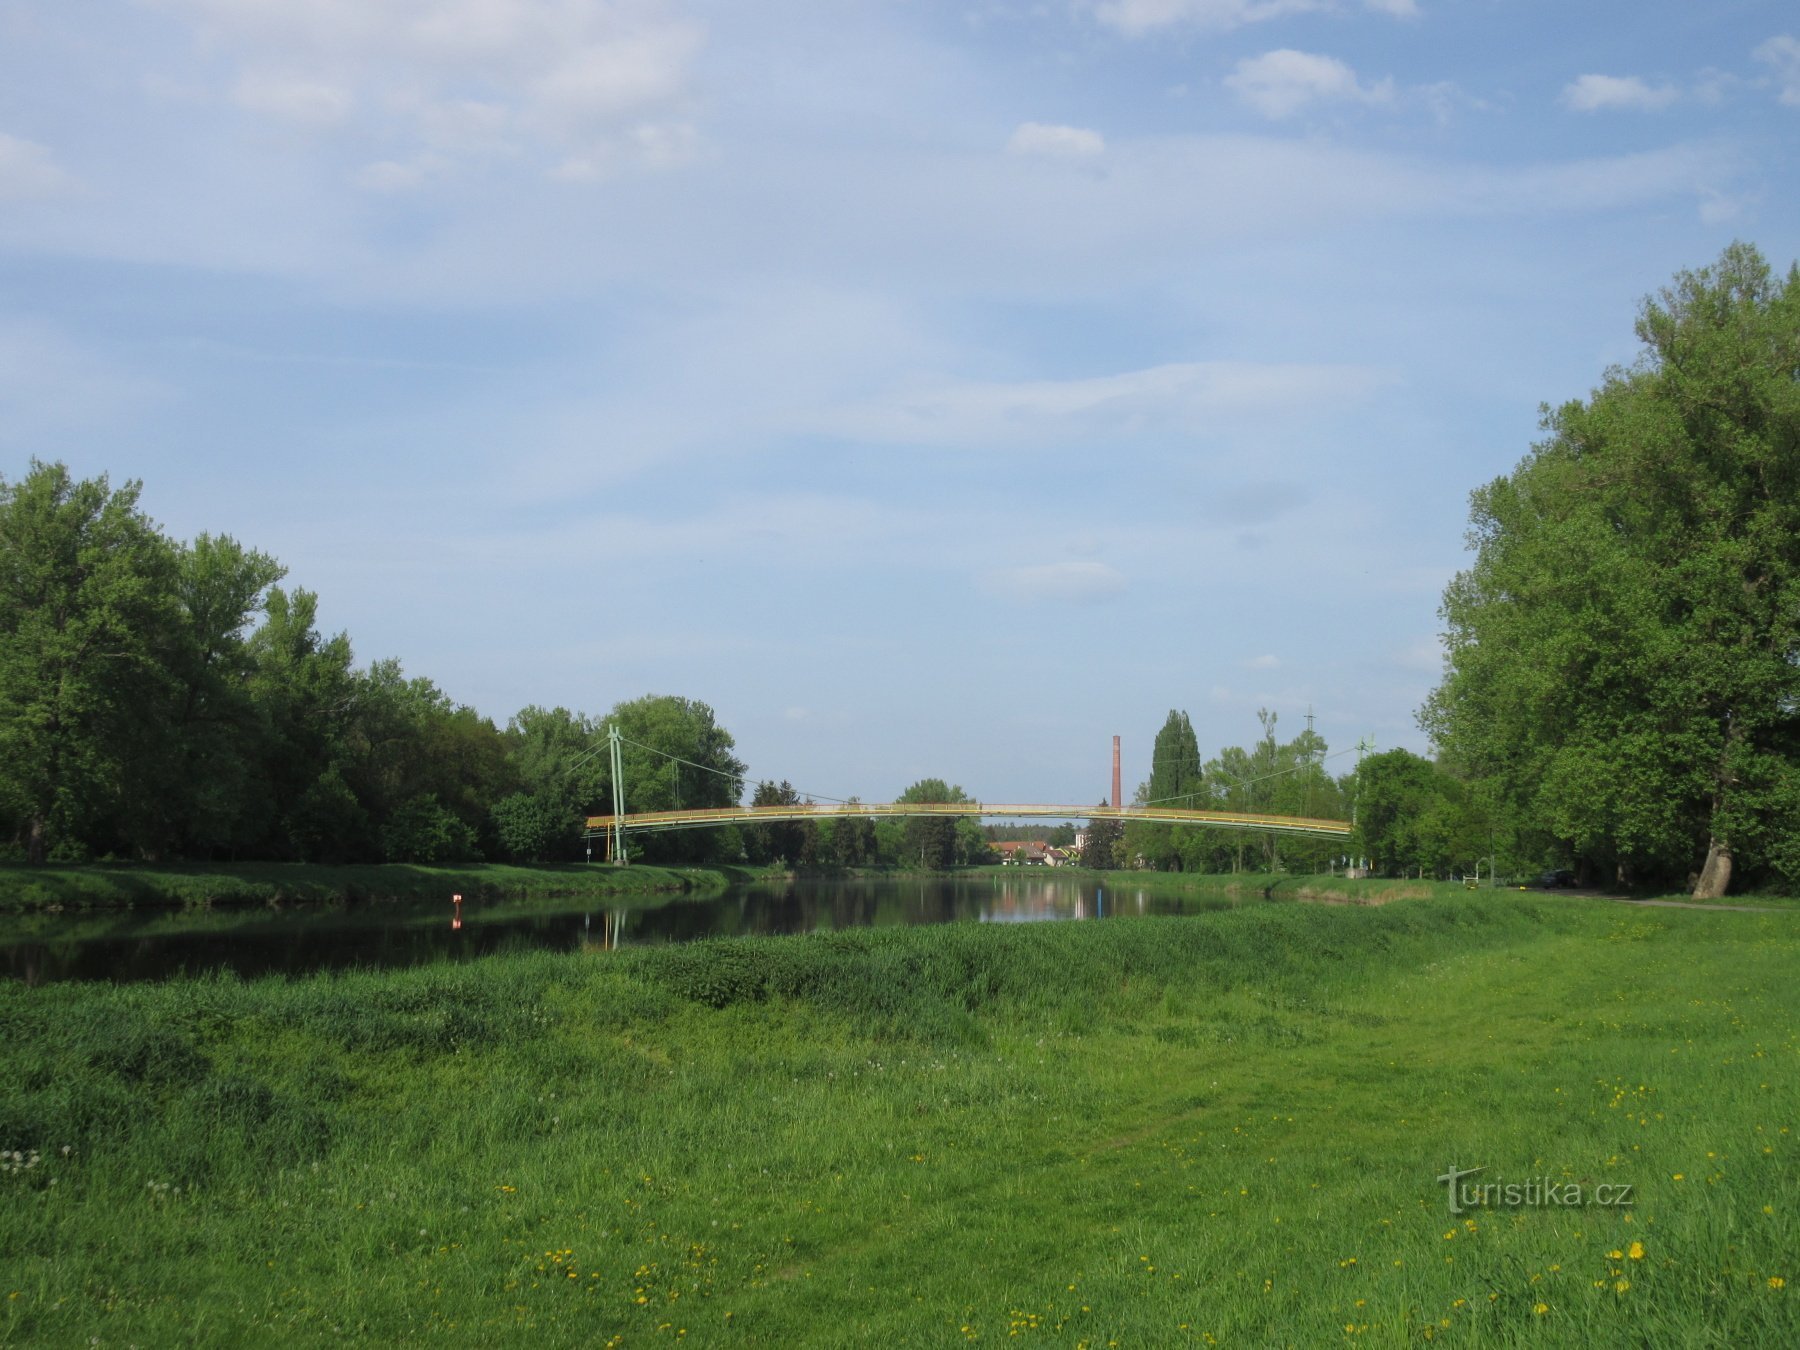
202 885
1222 1129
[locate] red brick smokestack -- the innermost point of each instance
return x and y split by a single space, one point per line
1115 773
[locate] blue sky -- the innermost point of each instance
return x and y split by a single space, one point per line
933 389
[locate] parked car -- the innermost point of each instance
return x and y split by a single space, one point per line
1561 876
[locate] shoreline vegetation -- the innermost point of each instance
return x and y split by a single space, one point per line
28 889
1225 1128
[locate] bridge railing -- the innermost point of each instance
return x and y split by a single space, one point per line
697 818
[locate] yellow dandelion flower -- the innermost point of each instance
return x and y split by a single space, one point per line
1539 1309
1621 1286
1776 1282
1637 1251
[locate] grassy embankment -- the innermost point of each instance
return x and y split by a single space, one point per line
200 885
1138 1132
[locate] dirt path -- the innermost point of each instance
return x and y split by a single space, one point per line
1657 904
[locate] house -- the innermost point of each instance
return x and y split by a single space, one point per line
1024 853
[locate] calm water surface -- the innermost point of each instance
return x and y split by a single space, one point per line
138 945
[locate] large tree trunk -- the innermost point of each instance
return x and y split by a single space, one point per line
1715 877
34 841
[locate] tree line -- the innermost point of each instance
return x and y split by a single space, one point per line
1621 685
166 700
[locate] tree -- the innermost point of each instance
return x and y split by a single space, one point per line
215 798
530 828
675 755
1105 836
1623 656
932 842
787 841
87 623
305 693
1395 790
852 840
1176 780
1175 772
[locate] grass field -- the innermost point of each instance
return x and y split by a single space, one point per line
1219 1129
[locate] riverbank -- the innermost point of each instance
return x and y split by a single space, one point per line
123 886
104 886
204 885
1225 1127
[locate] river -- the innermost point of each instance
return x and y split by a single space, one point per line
157 944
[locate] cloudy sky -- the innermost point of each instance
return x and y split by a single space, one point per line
934 389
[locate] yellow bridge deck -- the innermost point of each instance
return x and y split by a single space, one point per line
748 815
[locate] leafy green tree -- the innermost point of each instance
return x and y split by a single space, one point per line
560 760
1395 790
1105 839
214 799
969 845
87 624
675 755
305 692
932 841
408 742
853 841
529 827
423 830
561 756
1176 777
1623 656
1176 780
789 841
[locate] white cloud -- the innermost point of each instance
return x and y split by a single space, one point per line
1263 662
461 76
1281 83
28 171
1057 142
1782 54
297 99
602 81
1137 17
1181 396
1062 582
1592 93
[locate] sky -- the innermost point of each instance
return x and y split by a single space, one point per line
932 389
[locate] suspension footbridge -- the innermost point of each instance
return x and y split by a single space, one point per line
620 824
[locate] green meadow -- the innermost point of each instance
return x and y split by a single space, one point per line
1220 1129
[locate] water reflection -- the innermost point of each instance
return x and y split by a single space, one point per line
40 949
